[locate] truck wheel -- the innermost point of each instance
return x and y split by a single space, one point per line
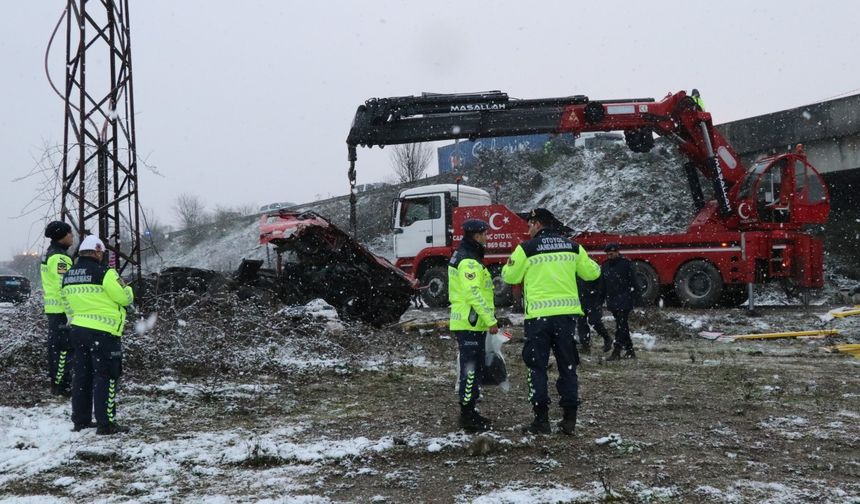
646 282
434 284
698 284
502 293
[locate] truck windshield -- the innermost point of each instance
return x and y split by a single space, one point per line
417 209
749 180
806 177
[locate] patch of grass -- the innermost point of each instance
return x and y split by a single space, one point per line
98 456
259 457
394 376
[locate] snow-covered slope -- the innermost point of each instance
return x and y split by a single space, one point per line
221 249
607 188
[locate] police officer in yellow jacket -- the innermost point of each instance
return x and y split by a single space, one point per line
697 99
95 298
547 265
55 264
470 291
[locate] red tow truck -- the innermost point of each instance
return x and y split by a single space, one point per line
753 231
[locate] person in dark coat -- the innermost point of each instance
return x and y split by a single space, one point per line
592 294
621 294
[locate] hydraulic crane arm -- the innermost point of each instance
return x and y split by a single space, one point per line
431 117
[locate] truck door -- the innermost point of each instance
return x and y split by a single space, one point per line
810 200
773 193
420 224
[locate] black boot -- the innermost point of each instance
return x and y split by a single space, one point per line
585 347
629 353
472 421
616 354
110 429
540 425
607 343
81 426
568 423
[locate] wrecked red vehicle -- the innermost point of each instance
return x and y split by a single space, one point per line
317 259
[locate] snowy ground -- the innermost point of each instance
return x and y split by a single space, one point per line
335 412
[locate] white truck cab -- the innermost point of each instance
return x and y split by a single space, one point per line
422 215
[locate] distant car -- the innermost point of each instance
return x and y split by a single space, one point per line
276 206
14 288
372 186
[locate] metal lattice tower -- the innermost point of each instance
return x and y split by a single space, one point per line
99 193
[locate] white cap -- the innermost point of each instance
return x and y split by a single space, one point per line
92 242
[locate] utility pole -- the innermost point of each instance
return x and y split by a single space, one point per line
100 193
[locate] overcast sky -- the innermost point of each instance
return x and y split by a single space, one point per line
250 102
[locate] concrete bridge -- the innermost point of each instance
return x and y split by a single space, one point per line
829 131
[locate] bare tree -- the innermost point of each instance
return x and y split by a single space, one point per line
189 210
223 216
410 161
153 236
246 209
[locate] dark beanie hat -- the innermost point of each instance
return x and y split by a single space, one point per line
475 226
56 230
545 217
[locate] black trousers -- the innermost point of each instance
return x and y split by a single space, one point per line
472 346
59 351
622 330
593 318
556 333
98 366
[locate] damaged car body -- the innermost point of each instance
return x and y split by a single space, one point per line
315 259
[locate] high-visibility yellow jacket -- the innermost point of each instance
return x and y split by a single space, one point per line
95 297
470 290
547 266
55 264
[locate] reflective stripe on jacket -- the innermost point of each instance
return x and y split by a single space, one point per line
470 289
95 297
54 265
547 266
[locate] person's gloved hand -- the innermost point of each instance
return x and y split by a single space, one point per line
493 329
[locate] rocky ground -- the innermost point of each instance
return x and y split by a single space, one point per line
236 402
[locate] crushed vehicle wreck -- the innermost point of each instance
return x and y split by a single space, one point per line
315 259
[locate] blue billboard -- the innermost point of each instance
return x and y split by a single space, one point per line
457 156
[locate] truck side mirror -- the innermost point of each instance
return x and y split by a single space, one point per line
392 217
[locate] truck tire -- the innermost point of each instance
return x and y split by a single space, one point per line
647 282
434 283
502 293
698 284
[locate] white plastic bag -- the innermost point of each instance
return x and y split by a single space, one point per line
495 370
